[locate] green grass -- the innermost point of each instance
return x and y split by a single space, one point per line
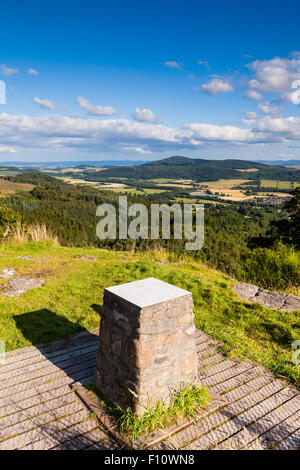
71 300
186 402
276 184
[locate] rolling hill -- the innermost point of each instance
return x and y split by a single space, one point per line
178 167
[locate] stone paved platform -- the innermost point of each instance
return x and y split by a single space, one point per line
38 409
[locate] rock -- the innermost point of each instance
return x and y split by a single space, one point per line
31 258
19 285
89 257
8 272
274 300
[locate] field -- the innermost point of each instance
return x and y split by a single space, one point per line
201 200
226 188
276 184
221 186
71 301
7 187
249 170
174 183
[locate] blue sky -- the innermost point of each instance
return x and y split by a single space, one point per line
144 80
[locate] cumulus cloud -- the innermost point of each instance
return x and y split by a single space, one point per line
114 135
172 64
7 149
46 104
211 132
137 149
282 129
144 115
8 70
216 87
32 72
275 76
294 95
253 95
250 115
95 110
268 108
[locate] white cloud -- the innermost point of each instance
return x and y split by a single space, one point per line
95 110
115 135
250 115
275 76
7 149
268 108
253 95
280 128
172 64
46 104
8 70
216 87
211 132
137 149
144 115
32 72
294 95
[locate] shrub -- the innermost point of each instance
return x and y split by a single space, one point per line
8 220
277 267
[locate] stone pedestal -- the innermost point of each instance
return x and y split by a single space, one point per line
146 343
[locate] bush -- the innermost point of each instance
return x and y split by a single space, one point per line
273 268
8 221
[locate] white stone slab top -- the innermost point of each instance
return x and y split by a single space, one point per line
147 292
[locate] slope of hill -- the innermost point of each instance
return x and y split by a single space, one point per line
71 299
178 167
69 212
186 161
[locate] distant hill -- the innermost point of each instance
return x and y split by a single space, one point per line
71 164
179 167
281 162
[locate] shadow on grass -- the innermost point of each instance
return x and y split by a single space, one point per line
64 362
97 308
44 326
280 334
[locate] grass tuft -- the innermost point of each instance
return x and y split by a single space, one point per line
186 402
32 233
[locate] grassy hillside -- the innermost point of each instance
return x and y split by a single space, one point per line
71 299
